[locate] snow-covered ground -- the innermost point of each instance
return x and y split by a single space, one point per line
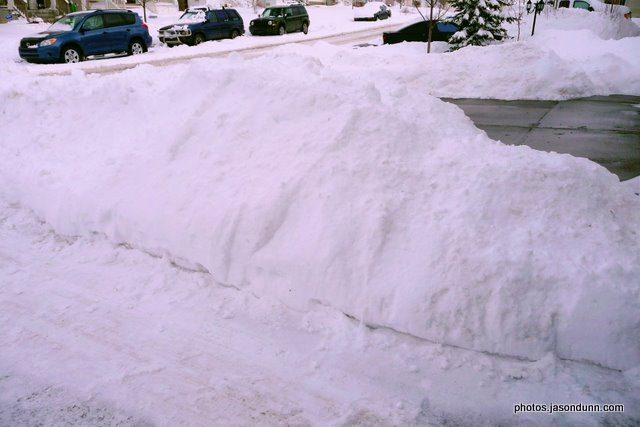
324 21
547 66
95 333
310 236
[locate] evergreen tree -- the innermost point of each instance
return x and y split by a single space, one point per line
480 22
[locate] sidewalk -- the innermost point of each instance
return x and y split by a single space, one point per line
605 129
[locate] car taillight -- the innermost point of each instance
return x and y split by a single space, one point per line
145 25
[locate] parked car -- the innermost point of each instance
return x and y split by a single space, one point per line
198 25
419 32
78 35
281 20
371 11
598 6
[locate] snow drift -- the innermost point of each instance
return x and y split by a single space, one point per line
604 25
317 187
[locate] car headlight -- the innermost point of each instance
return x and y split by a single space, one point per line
270 23
47 42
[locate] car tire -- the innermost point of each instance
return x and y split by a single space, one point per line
136 47
234 34
305 28
375 18
199 38
71 55
282 31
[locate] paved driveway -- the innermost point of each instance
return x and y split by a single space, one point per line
605 129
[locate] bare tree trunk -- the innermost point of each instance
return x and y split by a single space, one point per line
430 35
519 19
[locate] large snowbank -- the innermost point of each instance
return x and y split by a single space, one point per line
603 25
545 67
313 185
572 55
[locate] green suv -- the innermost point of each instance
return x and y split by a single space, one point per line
281 20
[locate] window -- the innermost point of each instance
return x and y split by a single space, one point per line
564 3
415 28
272 12
66 23
94 22
129 19
446 27
112 20
581 5
222 16
233 14
192 15
288 12
211 16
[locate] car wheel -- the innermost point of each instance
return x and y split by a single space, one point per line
199 38
71 55
135 47
375 17
234 34
282 31
305 28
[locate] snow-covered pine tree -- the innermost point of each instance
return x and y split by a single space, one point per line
480 22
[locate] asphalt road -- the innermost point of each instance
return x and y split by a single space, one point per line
605 129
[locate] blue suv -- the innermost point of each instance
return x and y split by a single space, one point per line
201 24
96 32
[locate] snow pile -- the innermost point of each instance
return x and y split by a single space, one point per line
388 205
573 54
542 68
546 67
603 25
634 184
10 35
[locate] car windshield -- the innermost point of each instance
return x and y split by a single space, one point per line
414 28
272 13
193 15
66 23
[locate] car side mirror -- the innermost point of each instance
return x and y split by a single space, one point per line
590 9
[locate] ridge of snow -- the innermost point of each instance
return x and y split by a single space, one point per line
375 199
